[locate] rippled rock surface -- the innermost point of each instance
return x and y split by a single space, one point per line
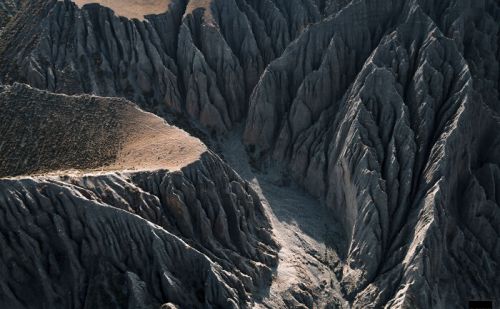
386 111
391 118
200 59
90 227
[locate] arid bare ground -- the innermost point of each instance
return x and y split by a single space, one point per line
149 143
310 239
86 134
131 8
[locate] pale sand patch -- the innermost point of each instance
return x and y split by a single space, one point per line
305 230
149 143
131 8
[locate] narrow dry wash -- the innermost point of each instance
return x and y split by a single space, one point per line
366 133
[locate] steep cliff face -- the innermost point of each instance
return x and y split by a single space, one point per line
111 233
200 58
193 238
385 111
387 122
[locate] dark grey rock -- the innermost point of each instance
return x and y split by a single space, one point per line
384 119
195 237
387 111
202 63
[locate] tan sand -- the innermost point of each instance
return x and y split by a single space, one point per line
149 143
44 133
131 8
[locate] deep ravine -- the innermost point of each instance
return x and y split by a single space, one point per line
367 131
311 241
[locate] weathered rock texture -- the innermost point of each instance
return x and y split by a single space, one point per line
200 58
195 236
8 8
385 110
391 118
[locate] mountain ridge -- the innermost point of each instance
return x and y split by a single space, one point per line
384 111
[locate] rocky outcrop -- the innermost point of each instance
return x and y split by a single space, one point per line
386 111
386 121
192 238
112 211
94 51
200 58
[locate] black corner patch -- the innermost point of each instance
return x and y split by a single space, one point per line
481 304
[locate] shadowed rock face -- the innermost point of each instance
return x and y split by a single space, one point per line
119 229
385 110
139 240
200 59
389 118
